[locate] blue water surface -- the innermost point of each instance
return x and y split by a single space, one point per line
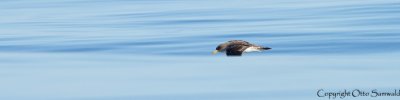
161 49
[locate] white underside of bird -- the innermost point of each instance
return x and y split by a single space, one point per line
253 49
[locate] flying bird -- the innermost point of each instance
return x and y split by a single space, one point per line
237 47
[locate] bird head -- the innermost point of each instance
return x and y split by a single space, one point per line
220 48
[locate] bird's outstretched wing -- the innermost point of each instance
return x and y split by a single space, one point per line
236 49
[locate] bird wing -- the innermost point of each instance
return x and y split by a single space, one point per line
239 42
235 49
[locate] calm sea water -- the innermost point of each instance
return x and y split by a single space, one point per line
161 49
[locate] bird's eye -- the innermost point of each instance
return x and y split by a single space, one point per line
218 48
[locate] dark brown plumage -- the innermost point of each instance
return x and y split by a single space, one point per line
237 47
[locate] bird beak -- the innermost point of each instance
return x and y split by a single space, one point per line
215 52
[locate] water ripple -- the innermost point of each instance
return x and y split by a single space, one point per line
340 28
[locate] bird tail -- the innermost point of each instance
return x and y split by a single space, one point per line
266 48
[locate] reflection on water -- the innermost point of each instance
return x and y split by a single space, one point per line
160 49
